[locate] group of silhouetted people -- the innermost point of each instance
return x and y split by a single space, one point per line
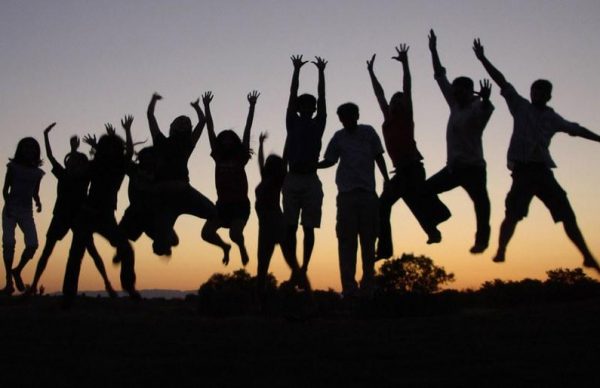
160 191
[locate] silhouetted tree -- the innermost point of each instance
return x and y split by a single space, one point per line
410 273
568 277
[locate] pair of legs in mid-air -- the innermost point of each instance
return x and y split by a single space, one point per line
409 183
473 179
537 180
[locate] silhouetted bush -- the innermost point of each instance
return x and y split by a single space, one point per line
412 274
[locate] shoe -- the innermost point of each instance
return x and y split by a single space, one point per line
18 280
478 248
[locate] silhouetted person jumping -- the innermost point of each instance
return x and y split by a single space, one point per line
271 225
530 162
302 190
71 190
21 186
97 215
409 178
231 154
465 165
172 175
357 147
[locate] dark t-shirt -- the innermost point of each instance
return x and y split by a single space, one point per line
71 190
172 159
105 182
230 176
268 197
399 137
303 142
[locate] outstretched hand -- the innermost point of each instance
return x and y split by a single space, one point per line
207 98
195 104
320 63
432 40
90 140
478 49
252 97
262 137
74 141
485 89
126 122
402 53
297 61
110 130
156 97
371 62
49 128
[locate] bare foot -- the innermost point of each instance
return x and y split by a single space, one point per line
499 258
226 250
434 237
590 262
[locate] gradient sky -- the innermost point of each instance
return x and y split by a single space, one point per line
83 63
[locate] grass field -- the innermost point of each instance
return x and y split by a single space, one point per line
112 343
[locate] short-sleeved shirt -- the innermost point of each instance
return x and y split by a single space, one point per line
399 137
533 128
465 127
356 151
230 176
303 141
25 180
71 190
172 159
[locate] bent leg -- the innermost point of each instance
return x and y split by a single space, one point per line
209 234
236 233
98 262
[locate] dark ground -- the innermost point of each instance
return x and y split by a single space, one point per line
168 343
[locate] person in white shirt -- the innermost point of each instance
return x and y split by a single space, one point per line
465 166
358 148
529 159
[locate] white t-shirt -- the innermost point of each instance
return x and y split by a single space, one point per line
356 152
465 127
533 129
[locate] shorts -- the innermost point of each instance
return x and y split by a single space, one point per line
531 180
302 198
59 226
232 211
14 216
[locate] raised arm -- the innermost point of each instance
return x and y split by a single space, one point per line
494 73
438 69
49 154
379 93
252 98
321 105
210 127
402 57
261 152
152 124
197 132
126 124
298 63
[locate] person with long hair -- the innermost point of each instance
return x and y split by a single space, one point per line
21 186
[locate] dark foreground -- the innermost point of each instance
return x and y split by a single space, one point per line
112 343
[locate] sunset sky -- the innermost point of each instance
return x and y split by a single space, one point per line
84 63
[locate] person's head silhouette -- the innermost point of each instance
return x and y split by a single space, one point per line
462 90
306 104
348 114
541 92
